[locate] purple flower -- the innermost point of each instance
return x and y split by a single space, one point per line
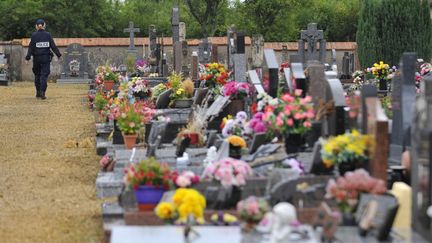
260 127
241 115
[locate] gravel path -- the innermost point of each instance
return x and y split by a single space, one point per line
47 191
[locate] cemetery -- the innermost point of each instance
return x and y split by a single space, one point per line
237 142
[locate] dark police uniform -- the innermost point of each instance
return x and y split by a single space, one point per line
40 45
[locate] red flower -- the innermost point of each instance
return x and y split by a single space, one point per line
254 107
150 175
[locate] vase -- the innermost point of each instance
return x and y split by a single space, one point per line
382 84
348 219
130 140
235 152
109 84
345 167
183 103
147 197
117 135
293 143
248 226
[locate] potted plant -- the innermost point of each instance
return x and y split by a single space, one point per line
107 76
232 175
346 190
138 88
181 96
252 210
382 73
235 126
238 92
348 151
129 123
290 116
149 179
195 127
184 204
236 144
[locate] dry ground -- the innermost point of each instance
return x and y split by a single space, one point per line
47 191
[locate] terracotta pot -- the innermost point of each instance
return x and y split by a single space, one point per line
109 84
130 140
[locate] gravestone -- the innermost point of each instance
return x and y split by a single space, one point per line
182 31
231 45
285 56
377 128
175 24
217 106
204 51
4 72
334 66
163 99
239 59
334 124
178 56
317 83
346 61
421 159
257 51
185 58
288 86
312 36
298 77
75 65
132 30
194 67
214 53
256 82
154 66
367 90
270 72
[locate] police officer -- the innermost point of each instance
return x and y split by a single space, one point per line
40 45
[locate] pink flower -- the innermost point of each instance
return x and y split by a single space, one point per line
131 124
183 181
298 116
253 208
307 124
290 122
279 121
298 92
307 99
260 127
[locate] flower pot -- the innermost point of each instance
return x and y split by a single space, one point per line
109 84
383 84
130 140
314 134
194 137
351 166
235 151
148 197
293 143
183 103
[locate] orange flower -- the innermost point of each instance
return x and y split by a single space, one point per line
237 141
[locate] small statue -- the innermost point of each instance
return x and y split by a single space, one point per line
283 217
211 156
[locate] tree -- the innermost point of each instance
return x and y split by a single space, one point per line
207 13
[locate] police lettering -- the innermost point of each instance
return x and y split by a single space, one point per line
42 44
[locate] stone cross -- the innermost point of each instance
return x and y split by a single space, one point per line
175 18
312 36
257 51
403 100
131 31
182 31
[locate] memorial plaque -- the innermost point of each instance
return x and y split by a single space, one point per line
75 65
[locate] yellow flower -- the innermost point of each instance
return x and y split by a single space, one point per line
228 218
165 210
237 141
327 163
178 92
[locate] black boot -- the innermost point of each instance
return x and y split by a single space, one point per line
43 95
38 94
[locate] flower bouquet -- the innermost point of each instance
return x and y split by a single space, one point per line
185 179
214 75
231 174
234 126
252 210
142 67
139 88
348 151
236 144
149 179
346 190
236 90
106 76
290 116
185 203
256 124
382 73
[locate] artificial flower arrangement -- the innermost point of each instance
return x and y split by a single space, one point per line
236 90
425 70
256 124
100 102
106 75
229 172
381 70
349 148
157 90
252 209
214 75
236 141
185 179
142 66
234 126
346 190
290 114
185 203
139 87
148 172
107 163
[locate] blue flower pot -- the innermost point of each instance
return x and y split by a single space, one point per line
148 197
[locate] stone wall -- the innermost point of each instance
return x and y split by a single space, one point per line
104 50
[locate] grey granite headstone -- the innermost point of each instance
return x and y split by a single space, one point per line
334 124
346 60
182 31
217 106
239 67
367 90
256 82
194 66
178 56
317 83
75 65
288 87
163 99
257 51
298 76
231 45
154 65
271 72
285 55
175 22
